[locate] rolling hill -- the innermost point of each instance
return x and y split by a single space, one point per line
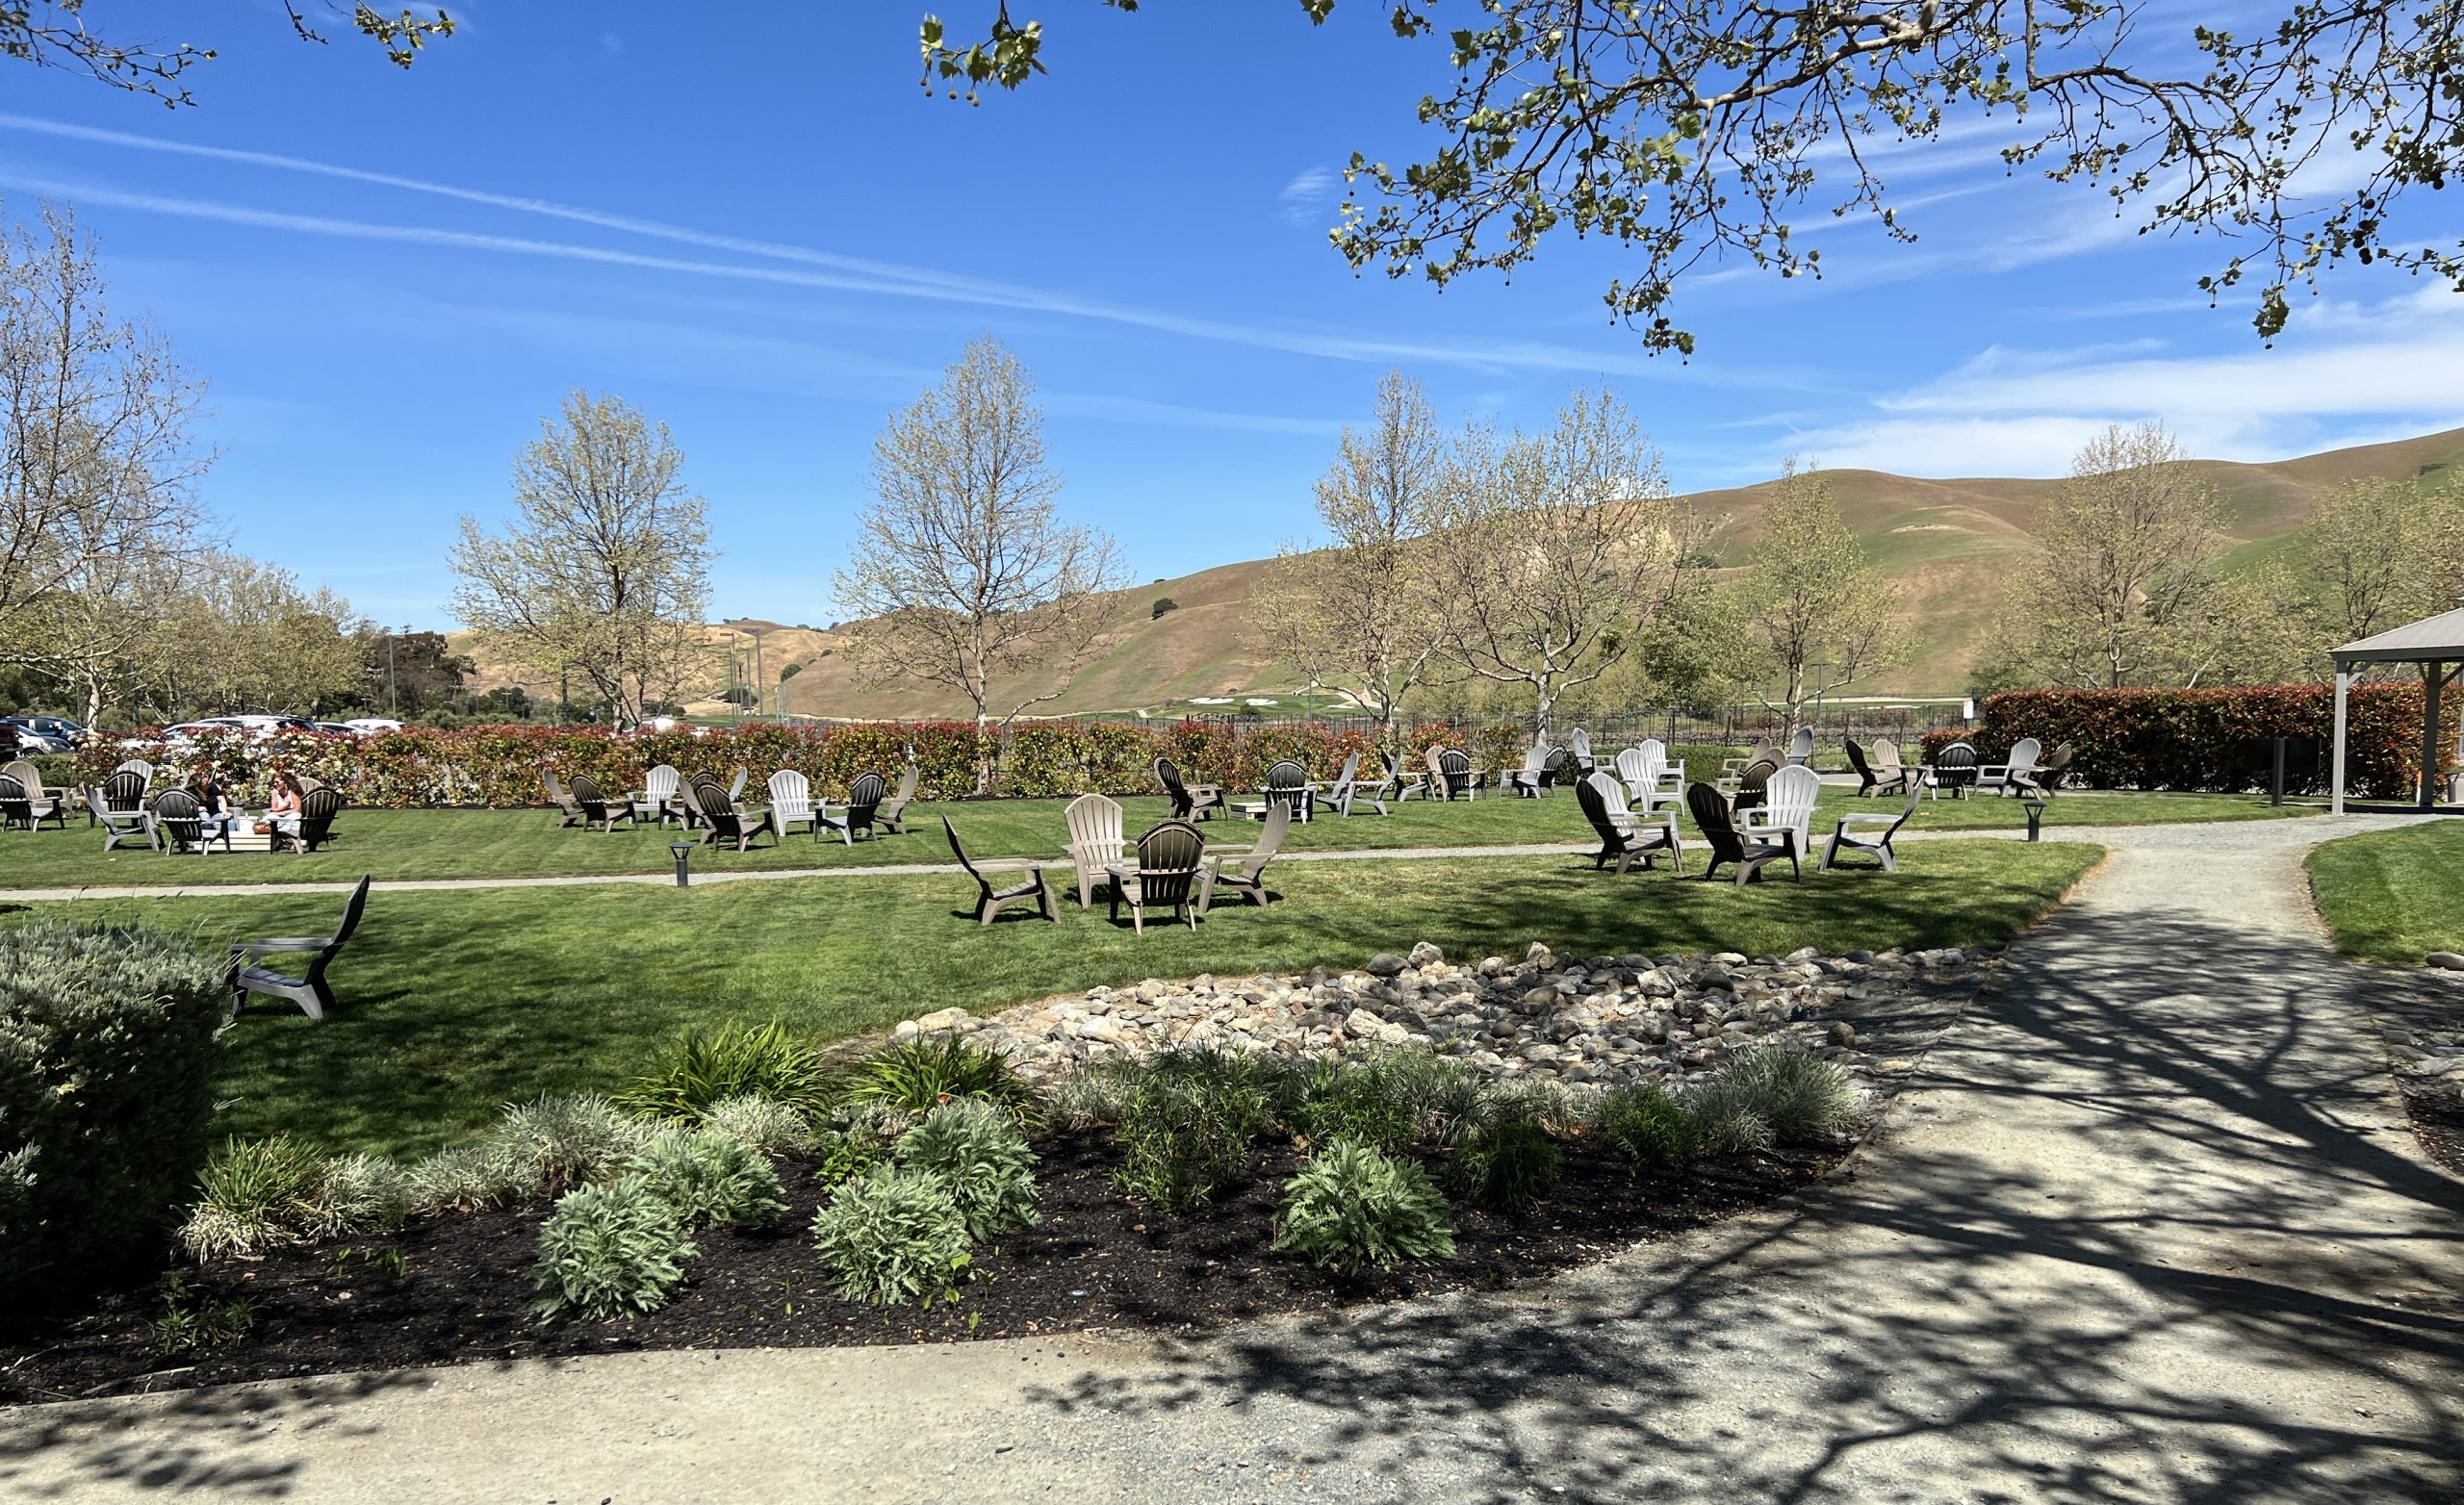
1948 545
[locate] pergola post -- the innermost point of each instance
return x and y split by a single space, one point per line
2433 679
2336 787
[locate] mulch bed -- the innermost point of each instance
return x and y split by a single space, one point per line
1099 1260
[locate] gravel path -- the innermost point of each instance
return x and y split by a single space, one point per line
2146 1228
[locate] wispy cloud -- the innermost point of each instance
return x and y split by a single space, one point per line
1301 196
806 267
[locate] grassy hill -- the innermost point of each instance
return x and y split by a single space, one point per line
1948 545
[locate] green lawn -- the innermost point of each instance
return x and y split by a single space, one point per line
455 1002
430 844
2391 896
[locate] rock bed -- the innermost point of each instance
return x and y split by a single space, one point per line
1597 1020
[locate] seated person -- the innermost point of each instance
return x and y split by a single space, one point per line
282 811
215 811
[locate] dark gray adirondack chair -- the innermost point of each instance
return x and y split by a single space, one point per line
1249 879
722 822
1288 785
1623 834
1849 838
119 825
892 816
1865 771
1752 782
41 803
309 992
1800 748
597 809
1730 845
863 801
180 821
318 808
1398 784
1454 766
562 799
1955 768
16 806
2040 781
1190 802
993 901
1169 858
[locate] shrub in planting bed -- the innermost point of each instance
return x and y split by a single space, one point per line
710 1178
609 1250
1353 1207
981 1154
892 1236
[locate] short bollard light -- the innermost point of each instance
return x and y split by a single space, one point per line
2035 815
684 851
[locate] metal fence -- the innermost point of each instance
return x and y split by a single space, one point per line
1736 725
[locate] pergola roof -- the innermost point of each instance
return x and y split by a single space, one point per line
2430 640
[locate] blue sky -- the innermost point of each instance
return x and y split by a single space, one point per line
771 241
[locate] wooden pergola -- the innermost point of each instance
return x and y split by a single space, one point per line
2434 642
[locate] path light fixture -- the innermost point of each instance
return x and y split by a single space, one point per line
2034 803
684 851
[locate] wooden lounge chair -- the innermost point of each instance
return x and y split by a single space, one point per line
318 808
864 800
1450 770
1729 845
1096 842
1891 775
1346 791
1249 879
791 803
1800 748
1169 859
1955 770
309 992
2040 781
994 900
722 822
891 815
1997 776
119 825
181 823
1288 785
45 802
1623 834
1532 780
1190 802
562 799
1786 810
1850 838
597 809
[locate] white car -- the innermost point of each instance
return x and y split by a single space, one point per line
370 725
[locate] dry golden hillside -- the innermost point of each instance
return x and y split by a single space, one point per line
1947 543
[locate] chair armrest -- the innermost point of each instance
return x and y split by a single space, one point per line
1013 864
1866 818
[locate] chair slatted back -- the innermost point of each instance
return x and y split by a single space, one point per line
958 850
1169 858
2049 772
1579 741
1788 795
351 913
1856 762
318 808
138 766
1955 765
2024 754
1437 762
16 806
1915 792
659 783
1558 767
1269 842
1287 784
1533 760
1345 780
1801 746
1593 795
1633 766
791 795
1095 833
1168 774
1716 821
1454 763
125 791
865 797
588 795
905 790
737 780
1887 759
24 773
1752 784
178 816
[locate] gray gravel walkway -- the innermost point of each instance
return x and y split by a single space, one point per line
2146 1228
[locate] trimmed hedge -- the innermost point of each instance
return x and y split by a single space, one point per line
2203 739
106 1095
499 767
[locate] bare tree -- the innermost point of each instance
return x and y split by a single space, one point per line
1812 596
1557 547
99 470
969 578
604 572
53 34
1365 615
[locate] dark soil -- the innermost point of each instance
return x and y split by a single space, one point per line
2416 1006
1099 1260
2437 1111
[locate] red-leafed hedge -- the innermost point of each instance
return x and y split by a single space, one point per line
2203 739
499 767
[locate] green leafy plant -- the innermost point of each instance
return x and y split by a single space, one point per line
918 1076
465 1178
1777 1094
557 1142
1650 1126
895 1236
710 1178
707 1067
609 1251
1353 1207
357 1194
1391 1098
391 1262
760 1123
1093 1094
192 1321
1187 1124
980 1153
252 1195
1508 1164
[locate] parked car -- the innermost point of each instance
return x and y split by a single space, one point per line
64 734
24 738
370 725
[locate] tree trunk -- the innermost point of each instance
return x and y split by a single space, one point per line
983 753
1547 703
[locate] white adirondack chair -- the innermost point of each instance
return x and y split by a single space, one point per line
1530 779
659 794
1999 777
1095 841
1633 771
1668 779
1787 808
1579 743
791 803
